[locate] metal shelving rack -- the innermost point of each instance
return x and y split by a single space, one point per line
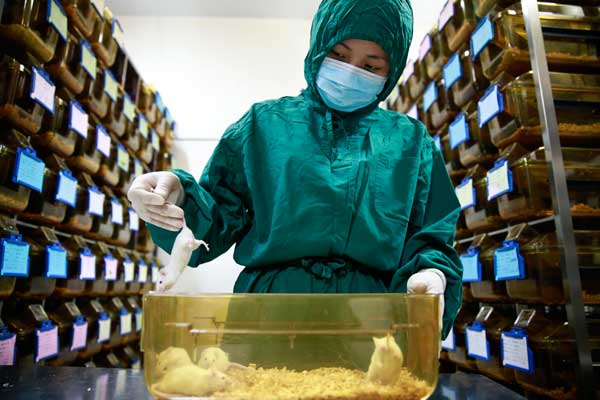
560 200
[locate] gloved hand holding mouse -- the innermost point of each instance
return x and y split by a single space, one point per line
429 281
156 197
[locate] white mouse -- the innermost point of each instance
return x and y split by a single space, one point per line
170 359
190 380
216 359
386 361
185 244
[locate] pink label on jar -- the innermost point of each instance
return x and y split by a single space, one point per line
7 351
79 336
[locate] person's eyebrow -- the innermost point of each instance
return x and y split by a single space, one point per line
345 45
376 57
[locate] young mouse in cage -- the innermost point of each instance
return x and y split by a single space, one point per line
216 359
170 359
190 380
185 244
386 361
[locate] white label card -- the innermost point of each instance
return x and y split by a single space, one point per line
110 268
134 220
477 344
79 336
103 141
57 18
128 108
88 59
78 119
143 126
154 274
125 324
117 32
129 268
66 191
142 272
446 14
111 87
42 89
449 343
425 47
96 202
499 180
138 320
103 330
466 194
116 214
515 353
87 264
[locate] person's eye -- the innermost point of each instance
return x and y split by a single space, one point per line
337 54
371 68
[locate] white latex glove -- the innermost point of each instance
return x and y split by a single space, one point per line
429 281
156 198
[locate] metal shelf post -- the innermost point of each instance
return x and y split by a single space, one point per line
560 199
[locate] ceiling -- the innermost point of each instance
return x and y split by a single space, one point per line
297 9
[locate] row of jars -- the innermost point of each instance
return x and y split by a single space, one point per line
67 126
508 114
461 56
531 346
523 265
44 190
89 67
75 332
514 188
37 262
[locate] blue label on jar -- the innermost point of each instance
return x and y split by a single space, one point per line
66 191
490 105
56 261
430 96
452 71
477 344
516 354
482 36
471 266
459 131
14 255
508 262
29 169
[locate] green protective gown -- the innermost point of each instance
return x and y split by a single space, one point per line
321 201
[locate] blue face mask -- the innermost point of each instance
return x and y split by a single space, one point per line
347 88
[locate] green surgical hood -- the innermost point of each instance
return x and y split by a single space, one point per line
318 201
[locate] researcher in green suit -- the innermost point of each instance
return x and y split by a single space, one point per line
324 192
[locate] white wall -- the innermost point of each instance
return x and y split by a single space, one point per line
209 72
